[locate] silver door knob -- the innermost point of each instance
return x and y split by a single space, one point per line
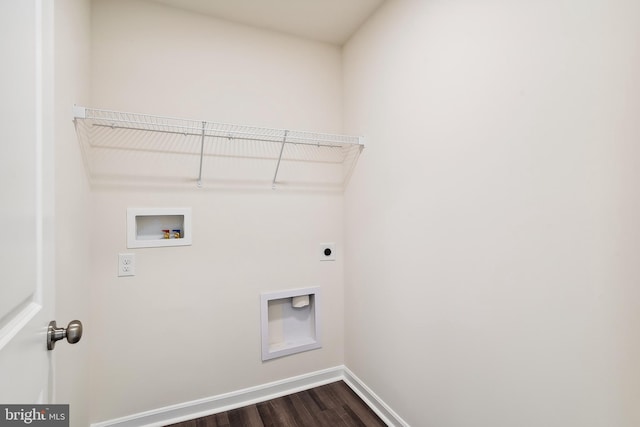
73 333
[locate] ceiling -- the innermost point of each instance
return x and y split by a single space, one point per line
330 21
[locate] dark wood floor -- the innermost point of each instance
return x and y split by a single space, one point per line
331 405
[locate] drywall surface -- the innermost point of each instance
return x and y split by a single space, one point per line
491 223
72 208
156 59
187 325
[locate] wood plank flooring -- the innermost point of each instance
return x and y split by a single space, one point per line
331 405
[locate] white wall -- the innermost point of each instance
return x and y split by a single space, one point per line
491 223
72 207
187 325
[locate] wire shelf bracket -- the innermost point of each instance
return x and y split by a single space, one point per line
275 175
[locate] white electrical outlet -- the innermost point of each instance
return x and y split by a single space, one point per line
327 251
126 265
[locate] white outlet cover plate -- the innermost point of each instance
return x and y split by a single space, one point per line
126 265
327 246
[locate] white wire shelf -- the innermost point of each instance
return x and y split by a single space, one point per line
137 148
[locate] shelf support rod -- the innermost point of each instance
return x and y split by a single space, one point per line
275 175
201 156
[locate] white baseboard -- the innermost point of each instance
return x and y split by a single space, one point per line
249 396
378 406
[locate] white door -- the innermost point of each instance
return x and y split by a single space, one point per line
26 200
